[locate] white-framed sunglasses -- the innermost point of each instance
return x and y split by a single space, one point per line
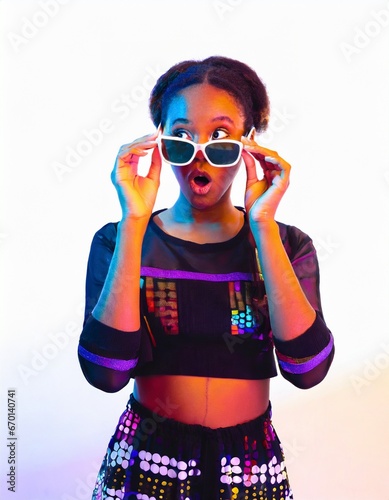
180 152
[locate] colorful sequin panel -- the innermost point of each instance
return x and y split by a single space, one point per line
161 297
244 316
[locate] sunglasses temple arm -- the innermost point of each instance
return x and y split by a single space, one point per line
252 133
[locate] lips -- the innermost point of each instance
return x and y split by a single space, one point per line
200 182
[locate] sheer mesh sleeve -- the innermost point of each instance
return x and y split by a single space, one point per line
107 356
305 360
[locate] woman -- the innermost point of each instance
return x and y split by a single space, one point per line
193 301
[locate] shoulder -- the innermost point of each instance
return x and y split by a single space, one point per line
292 233
294 239
106 234
109 230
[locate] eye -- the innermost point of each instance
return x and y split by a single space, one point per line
182 134
219 134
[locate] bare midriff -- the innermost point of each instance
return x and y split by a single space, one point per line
211 402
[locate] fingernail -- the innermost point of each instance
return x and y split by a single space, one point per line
270 159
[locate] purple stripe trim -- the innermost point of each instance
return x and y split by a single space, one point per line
155 272
299 368
310 254
120 365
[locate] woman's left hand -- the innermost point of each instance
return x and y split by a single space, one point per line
264 195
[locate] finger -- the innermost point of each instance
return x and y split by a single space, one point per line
272 163
281 168
146 142
269 160
277 181
129 160
278 178
132 152
155 167
125 168
270 168
263 154
140 149
251 168
252 146
148 137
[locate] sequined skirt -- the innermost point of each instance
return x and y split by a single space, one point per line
151 457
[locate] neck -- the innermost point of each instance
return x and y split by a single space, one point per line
208 225
222 213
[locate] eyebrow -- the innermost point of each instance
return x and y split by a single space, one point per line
223 118
216 119
180 120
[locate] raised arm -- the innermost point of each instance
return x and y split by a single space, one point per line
110 339
304 345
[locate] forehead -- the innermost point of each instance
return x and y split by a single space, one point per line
203 103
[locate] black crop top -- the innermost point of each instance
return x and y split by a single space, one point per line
204 313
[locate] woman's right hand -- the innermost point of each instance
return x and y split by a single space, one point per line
137 194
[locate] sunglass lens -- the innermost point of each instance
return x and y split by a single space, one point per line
223 153
176 152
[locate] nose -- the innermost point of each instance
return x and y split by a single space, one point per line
199 156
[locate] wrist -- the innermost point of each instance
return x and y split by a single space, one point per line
264 226
132 230
129 223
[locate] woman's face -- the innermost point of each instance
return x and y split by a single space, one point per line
202 113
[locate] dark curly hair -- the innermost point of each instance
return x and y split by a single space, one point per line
233 76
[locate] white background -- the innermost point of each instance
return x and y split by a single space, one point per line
66 67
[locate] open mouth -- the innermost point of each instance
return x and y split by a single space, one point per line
201 180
